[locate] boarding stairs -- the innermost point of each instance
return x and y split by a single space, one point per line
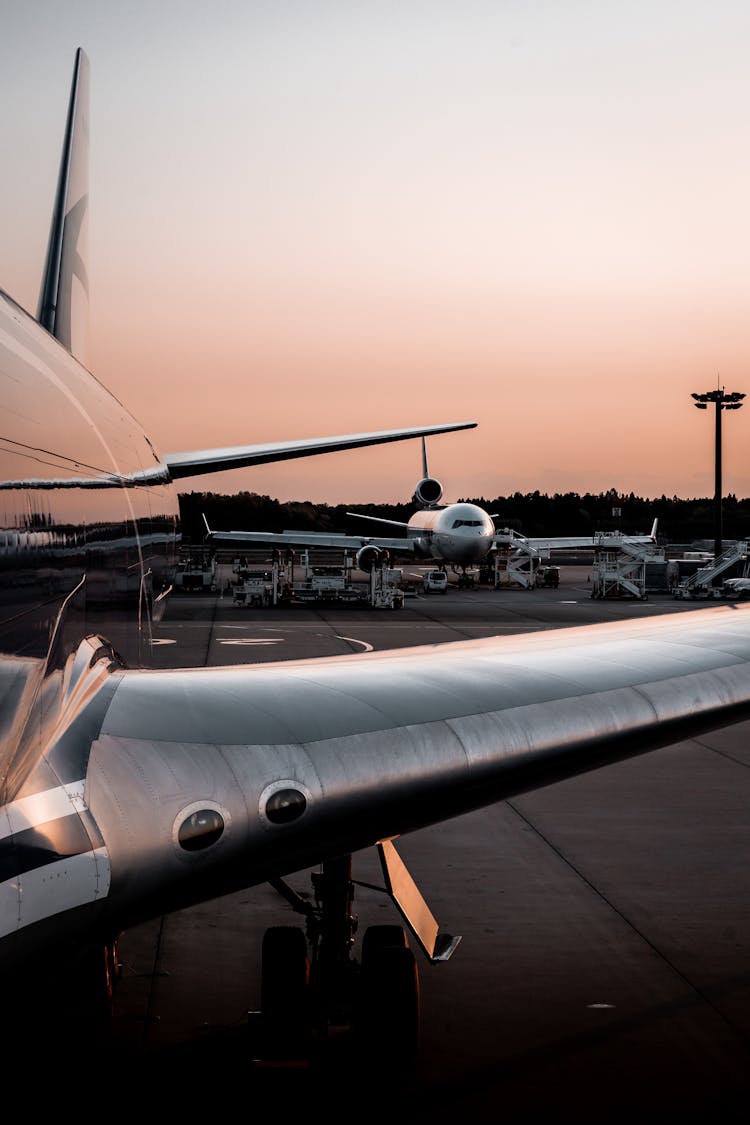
700 584
619 569
516 561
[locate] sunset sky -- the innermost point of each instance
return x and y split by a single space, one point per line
314 217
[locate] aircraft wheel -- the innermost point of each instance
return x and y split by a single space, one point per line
388 1011
376 938
285 974
95 987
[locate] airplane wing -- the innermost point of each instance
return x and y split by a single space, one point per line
378 519
308 539
202 461
560 541
228 776
507 537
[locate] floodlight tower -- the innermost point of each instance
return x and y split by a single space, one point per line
722 401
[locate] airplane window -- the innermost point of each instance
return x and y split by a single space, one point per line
285 805
200 830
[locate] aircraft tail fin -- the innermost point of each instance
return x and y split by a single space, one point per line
64 294
429 492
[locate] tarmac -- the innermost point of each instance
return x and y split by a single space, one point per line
603 971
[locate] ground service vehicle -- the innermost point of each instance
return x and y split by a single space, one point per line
435 582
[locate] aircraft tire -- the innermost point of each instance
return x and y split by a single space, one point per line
376 938
285 975
388 1011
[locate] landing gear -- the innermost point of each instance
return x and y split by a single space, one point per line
387 1014
71 998
285 1002
315 993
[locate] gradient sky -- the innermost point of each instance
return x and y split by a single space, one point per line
314 217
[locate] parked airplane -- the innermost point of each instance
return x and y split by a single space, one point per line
459 535
127 793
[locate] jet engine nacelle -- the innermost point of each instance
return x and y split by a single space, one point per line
428 492
369 557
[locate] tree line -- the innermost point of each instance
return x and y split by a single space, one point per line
531 513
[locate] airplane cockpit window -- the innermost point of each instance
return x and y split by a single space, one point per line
467 523
200 830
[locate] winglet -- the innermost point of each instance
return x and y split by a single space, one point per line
653 529
208 529
64 295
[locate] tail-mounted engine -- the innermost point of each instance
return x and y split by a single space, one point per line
428 493
370 557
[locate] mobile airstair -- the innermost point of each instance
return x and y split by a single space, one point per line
619 569
700 584
516 561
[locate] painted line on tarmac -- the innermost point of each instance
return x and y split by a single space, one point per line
249 640
354 641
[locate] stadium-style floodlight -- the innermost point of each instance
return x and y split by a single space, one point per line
722 401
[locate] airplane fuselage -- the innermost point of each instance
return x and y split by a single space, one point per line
89 520
460 534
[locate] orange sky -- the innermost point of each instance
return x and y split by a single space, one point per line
318 218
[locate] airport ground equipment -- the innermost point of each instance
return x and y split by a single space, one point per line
435 582
261 585
516 562
381 589
548 576
701 584
386 591
196 571
314 578
254 589
620 567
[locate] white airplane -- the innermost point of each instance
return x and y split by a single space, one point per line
460 535
128 792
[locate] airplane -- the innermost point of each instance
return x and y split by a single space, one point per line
460 535
130 792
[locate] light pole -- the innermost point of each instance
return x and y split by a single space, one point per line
722 401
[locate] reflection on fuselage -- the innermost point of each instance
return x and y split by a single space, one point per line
89 519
